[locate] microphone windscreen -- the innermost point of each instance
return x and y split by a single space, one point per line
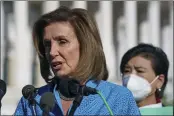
69 87
28 91
47 101
3 88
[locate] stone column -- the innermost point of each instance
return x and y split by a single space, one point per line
2 41
167 37
130 8
49 6
80 4
106 28
154 22
23 45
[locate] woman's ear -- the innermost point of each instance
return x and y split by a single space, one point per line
160 81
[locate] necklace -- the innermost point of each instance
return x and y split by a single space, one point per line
65 98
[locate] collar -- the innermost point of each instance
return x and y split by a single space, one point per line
158 105
89 83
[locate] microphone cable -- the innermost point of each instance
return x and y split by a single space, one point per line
76 104
106 104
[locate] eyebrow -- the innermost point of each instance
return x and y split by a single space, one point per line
127 66
60 37
140 67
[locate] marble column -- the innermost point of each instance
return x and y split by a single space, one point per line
130 8
23 45
80 4
154 22
49 6
106 28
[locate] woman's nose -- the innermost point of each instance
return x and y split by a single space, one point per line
134 72
54 51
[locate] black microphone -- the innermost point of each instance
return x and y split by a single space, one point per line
70 88
47 103
29 92
3 88
84 90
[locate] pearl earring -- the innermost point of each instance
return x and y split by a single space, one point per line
159 89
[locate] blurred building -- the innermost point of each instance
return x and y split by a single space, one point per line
122 25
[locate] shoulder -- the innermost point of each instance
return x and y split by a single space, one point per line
116 93
45 88
111 88
119 98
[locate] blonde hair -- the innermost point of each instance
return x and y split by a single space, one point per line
92 61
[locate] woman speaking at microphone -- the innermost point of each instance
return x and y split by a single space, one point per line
68 42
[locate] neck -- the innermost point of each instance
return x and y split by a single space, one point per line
147 101
66 105
65 98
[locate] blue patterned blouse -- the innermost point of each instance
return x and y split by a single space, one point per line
119 99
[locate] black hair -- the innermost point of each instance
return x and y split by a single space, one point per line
156 55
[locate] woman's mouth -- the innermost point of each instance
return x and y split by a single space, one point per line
56 65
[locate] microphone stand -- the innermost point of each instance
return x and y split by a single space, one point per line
33 104
76 104
0 108
46 111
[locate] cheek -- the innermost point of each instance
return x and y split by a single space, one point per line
73 56
148 76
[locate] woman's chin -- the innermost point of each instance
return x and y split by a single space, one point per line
62 75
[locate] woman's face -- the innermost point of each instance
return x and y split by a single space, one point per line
143 68
62 48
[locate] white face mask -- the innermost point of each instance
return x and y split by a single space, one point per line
139 87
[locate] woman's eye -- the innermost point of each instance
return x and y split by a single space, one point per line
126 71
61 42
139 71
